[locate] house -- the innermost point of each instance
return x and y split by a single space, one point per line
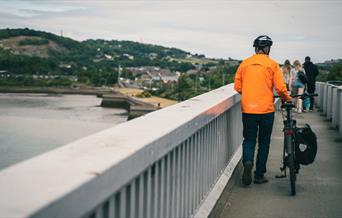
153 56
168 76
68 66
4 73
154 74
128 56
108 57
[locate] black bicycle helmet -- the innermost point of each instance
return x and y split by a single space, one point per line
262 41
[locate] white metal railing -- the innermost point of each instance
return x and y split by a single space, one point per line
163 164
329 101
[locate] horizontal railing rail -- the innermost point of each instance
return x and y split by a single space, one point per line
163 164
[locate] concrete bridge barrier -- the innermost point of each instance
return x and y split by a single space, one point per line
330 102
325 99
319 98
173 162
338 110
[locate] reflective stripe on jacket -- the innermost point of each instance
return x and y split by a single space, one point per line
255 79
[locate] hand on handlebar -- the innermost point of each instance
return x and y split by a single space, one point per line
286 102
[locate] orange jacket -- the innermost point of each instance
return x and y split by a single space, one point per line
255 79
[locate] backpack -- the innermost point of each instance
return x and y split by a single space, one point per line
302 77
306 145
306 102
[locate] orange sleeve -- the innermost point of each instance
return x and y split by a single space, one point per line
279 84
238 80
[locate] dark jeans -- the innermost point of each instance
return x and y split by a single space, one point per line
251 124
311 90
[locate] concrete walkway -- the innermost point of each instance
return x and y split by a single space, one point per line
319 186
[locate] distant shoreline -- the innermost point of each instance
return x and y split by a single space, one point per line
110 98
59 90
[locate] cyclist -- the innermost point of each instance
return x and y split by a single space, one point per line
254 80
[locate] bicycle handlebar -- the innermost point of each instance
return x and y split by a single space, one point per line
290 105
300 95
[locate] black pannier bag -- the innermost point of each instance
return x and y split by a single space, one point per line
306 145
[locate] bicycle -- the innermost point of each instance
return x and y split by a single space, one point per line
289 149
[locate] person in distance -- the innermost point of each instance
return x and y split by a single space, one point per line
311 74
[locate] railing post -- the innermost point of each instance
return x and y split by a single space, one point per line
318 99
329 101
317 91
339 94
325 99
334 111
321 96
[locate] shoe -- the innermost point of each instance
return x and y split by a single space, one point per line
298 110
310 110
247 173
260 181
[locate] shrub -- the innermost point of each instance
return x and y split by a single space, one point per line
144 94
33 42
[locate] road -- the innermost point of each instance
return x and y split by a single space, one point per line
319 186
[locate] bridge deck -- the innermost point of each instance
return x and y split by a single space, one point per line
319 186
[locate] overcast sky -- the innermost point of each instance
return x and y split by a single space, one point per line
219 29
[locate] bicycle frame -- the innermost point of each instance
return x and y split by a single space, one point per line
289 155
289 136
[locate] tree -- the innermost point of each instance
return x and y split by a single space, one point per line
335 72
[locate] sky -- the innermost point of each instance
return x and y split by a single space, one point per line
217 29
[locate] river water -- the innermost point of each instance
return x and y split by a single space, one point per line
31 124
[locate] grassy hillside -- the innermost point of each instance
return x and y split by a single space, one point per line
31 46
94 62
47 45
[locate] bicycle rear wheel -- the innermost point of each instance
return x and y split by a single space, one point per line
292 173
291 163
